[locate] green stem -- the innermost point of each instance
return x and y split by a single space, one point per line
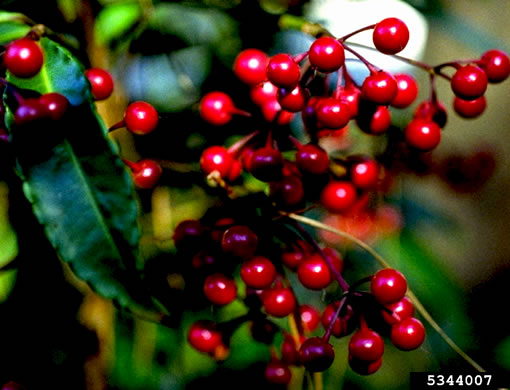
418 305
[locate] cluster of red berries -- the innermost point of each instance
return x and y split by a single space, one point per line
225 254
24 58
282 85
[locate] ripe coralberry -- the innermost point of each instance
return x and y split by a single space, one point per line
316 354
310 317
496 65
314 273
469 108
408 334
379 87
388 286
23 58
338 196
312 159
362 367
343 324
278 372
29 110
333 113
204 337
326 54
288 192
146 173
258 272
187 234
403 309
272 111
407 91
374 120
469 82
283 71
434 111
263 92
55 103
365 174
239 241
216 108
278 301
101 83
216 158
250 66
266 164
390 35
293 100
366 345
220 289
140 118
422 134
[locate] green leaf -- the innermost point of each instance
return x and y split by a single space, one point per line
12 30
115 20
79 188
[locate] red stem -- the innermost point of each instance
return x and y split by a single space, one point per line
345 37
370 67
334 318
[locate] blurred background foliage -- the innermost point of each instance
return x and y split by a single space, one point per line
453 244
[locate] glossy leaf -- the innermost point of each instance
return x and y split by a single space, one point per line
80 189
115 20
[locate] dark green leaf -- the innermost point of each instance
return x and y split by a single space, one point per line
80 189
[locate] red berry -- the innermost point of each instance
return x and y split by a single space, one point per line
187 234
408 334
271 109
293 100
351 96
364 368
289 350
101 83
258 272
469 82
343 324
374 120
204 337
250 66
366 345
141 118
147 173
292 257
390 35
403 309
239 241
55 103
279 301
338 196
407 91
312 159
326 54
283 71
263 92
316 354
23 58
423 134
365 174
333 113
288 192
380 88
216 108
313 272
216 158
28 111
310 317
220 289
278 372
496 65
432 110
266 164
469 108
388 286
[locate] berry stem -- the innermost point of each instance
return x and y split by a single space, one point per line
370 67
334 318
235 148
341 281
317 379
117 125
345 37
418 305
135 167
